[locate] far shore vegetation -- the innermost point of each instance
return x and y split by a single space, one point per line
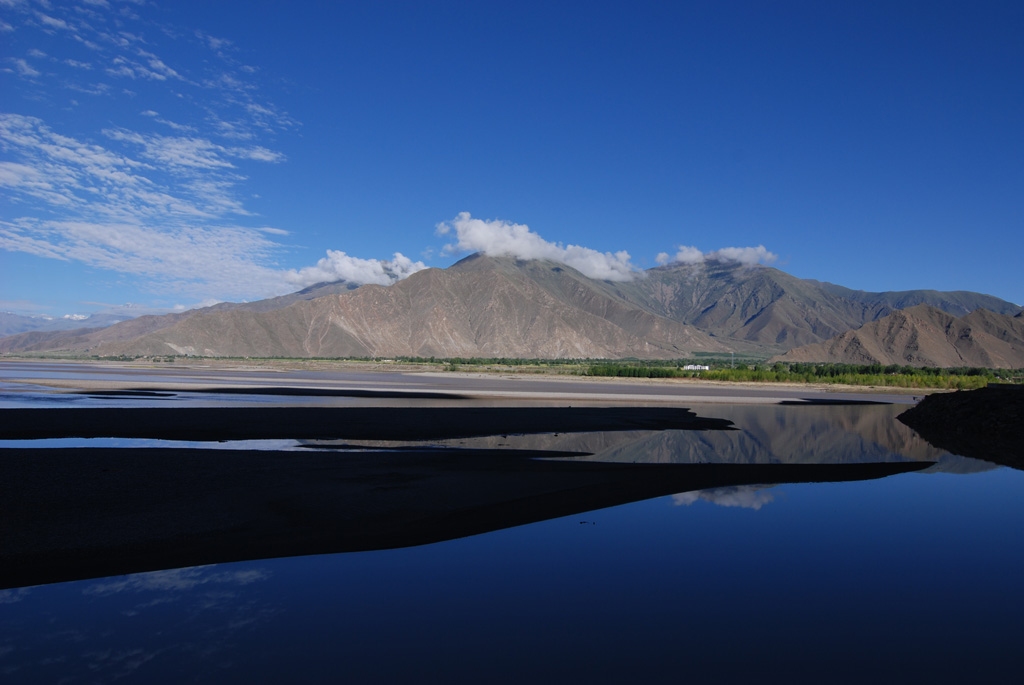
874 375
704 367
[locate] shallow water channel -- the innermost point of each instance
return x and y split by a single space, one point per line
807 543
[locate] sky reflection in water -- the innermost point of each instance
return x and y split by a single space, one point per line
914 574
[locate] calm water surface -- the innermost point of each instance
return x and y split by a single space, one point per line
913 577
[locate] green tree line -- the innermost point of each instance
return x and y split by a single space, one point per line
963 378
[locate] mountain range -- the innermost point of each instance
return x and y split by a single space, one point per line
485 306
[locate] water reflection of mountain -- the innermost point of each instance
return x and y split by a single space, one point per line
767 434
75 513
90 512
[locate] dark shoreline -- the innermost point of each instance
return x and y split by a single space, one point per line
981 424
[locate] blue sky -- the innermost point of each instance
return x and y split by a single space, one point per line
167 154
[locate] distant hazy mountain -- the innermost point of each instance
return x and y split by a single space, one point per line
923 335
11 324
488 306
16 323
81 339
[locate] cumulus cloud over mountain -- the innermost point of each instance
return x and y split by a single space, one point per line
747 256
504 239
338 266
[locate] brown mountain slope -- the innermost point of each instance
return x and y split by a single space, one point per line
924 336
85 339
757 304
486 308
763 305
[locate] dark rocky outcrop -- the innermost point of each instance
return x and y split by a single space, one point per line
981 424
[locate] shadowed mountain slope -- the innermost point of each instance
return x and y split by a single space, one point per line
763 305
925 336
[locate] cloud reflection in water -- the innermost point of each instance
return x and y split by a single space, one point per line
744 496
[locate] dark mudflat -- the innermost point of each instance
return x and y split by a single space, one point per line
78 513
363 423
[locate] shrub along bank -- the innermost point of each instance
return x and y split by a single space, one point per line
846 374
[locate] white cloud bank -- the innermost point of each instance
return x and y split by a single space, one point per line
338 266
747 256
503 239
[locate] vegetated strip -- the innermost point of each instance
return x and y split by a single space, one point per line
892 376
366 423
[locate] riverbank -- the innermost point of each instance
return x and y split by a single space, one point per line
319 377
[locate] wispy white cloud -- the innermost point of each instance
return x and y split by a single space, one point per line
134 70
257 153
213 42
177 153
186 259
23 68
501 238
180 128
109 211
90 89
66 173
53 22
158 66
28 178
166 207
